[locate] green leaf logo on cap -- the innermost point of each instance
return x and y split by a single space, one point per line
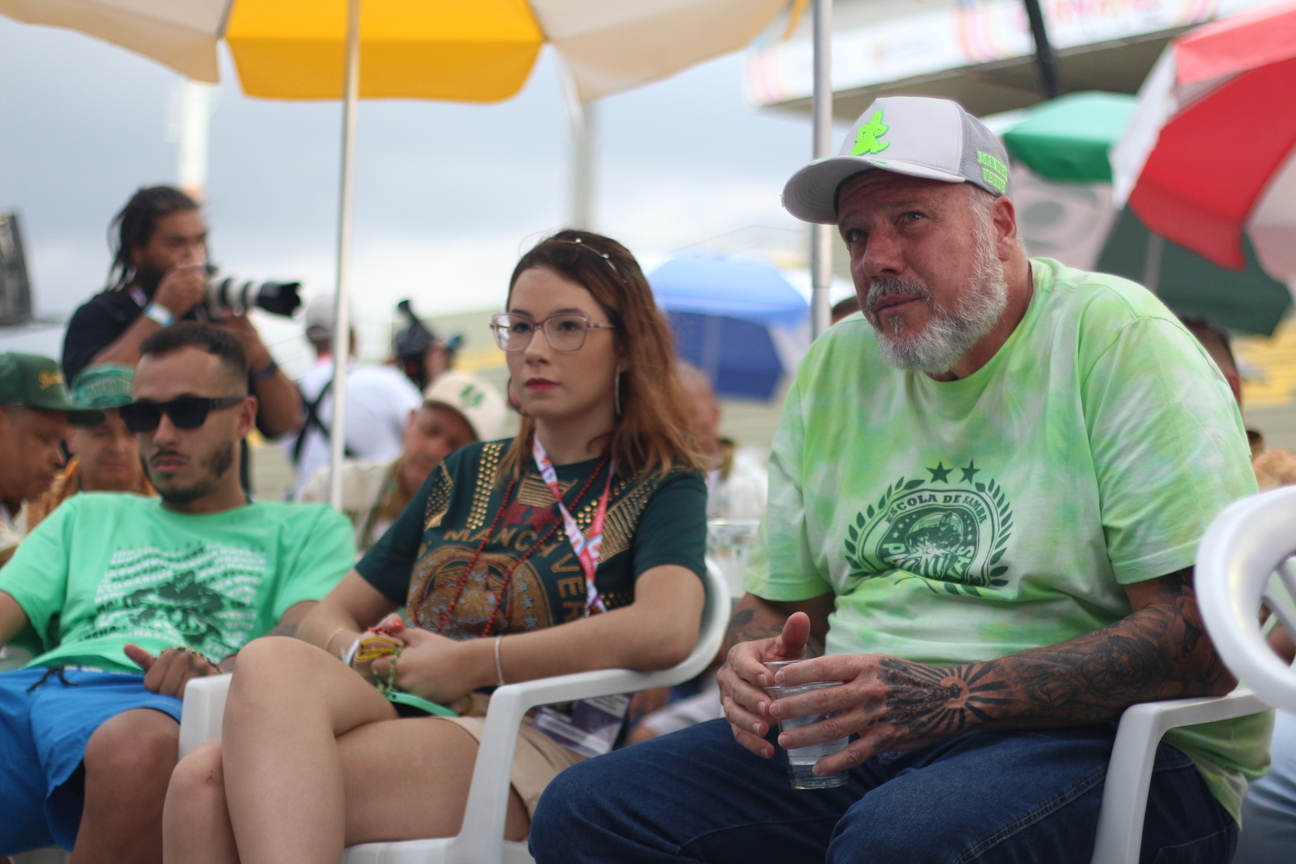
471 397
867 140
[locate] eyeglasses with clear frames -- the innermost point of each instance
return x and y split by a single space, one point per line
565 331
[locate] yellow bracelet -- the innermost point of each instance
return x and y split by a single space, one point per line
375 646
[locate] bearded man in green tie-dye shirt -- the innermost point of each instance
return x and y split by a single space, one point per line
986 494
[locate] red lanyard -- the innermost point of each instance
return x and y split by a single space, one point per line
586 550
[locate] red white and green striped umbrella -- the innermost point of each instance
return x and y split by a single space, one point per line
1210 154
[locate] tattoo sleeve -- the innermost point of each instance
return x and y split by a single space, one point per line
1160 651
745 626
756 619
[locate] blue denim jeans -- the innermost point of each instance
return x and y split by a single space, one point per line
1269 809
696 795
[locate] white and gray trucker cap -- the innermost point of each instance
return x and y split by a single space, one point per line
914 135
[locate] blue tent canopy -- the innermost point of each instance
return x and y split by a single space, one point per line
722 312
738 356
748 290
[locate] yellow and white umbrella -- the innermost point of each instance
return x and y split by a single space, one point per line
474 51
478 51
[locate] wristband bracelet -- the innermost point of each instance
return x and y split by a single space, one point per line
160 314
268 372
348 656
194 652
499 670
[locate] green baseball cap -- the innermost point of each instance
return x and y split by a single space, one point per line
105 386
37 382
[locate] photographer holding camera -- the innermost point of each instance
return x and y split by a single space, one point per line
160 275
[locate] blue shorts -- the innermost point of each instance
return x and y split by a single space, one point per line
44 729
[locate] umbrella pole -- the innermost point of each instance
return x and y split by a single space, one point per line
1152 263
1045 59
820 235
342 300
584 117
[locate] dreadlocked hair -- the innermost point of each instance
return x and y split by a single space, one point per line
133 227
655 430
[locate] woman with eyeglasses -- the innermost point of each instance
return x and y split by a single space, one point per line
576 545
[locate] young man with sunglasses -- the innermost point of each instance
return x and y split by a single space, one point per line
173 586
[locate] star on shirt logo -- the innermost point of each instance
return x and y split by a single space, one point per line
970 471
940 474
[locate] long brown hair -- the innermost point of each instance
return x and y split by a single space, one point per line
655 429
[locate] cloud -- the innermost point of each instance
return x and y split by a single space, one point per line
448 195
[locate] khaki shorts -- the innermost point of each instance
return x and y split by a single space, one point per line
537 760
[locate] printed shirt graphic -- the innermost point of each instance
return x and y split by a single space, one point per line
966 520
955 532
422 558
110 569
205 594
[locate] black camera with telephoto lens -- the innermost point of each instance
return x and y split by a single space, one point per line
232 294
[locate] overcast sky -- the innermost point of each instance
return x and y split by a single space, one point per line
447 194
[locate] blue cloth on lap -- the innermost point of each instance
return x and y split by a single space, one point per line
44 729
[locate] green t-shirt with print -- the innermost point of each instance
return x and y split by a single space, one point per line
107 569
966 520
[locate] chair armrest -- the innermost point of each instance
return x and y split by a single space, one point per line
483 827
203 711
1129 774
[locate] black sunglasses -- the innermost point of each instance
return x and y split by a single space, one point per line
187 412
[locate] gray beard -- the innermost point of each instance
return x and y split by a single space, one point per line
948 334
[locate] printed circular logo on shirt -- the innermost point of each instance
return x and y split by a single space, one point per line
526 606
948 532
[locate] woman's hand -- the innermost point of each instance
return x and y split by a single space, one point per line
434 667
392 625
384 639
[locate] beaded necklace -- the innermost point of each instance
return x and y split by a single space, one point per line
508 576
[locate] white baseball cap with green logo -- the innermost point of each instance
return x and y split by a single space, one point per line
474 398
914 135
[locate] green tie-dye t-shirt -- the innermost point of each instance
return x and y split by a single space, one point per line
966 520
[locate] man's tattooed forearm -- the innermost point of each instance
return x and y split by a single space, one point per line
938 702
1158 652
743 627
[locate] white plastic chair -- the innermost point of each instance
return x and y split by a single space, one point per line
1236 561
481 837
1248 544
1129 773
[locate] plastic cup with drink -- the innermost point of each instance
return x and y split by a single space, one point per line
801 760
